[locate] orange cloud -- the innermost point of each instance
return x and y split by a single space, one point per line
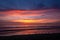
37 16
19 14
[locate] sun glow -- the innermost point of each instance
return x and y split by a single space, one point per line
34 20
26 21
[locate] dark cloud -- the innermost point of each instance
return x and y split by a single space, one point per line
28 4
49 4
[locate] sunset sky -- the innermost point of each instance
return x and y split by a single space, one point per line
37 11
25 17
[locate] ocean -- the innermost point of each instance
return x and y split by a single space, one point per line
10 30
